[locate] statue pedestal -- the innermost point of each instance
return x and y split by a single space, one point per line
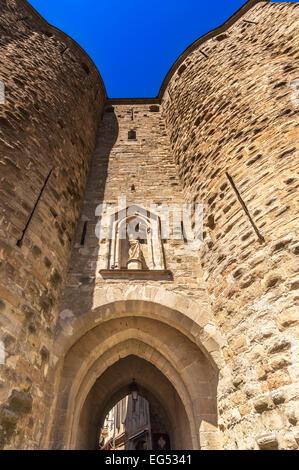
134 264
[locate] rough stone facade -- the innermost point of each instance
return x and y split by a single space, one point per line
118 164
51 88
143 171
214 344
231 111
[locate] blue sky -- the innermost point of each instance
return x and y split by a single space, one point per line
134 42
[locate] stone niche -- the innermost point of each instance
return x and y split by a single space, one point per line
132 245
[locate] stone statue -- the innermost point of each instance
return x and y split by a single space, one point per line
134 250
135 254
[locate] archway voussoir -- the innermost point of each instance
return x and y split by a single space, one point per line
218 359
200 316
163 331
137 340
210 345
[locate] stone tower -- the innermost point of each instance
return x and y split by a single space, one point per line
209 334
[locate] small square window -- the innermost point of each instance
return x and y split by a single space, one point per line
132 135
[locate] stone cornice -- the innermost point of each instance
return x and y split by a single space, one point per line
131 101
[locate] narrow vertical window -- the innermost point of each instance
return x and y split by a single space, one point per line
83 233
118 415
123 410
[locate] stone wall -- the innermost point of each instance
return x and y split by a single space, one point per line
225 135
230 108
143 171
51 89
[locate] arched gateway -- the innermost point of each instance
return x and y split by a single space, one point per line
172 353
207 330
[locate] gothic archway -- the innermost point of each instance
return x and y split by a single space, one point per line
173 350
152 385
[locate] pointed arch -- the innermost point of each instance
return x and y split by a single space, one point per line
184 352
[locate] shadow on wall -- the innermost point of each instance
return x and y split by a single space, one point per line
83 264
80 283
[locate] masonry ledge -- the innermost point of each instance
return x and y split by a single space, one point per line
135 274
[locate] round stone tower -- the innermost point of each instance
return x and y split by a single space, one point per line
49 117
230 105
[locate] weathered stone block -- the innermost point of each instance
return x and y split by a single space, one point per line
267 441
20 402
262 403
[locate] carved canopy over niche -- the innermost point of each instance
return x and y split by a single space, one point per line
134 242
136 223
